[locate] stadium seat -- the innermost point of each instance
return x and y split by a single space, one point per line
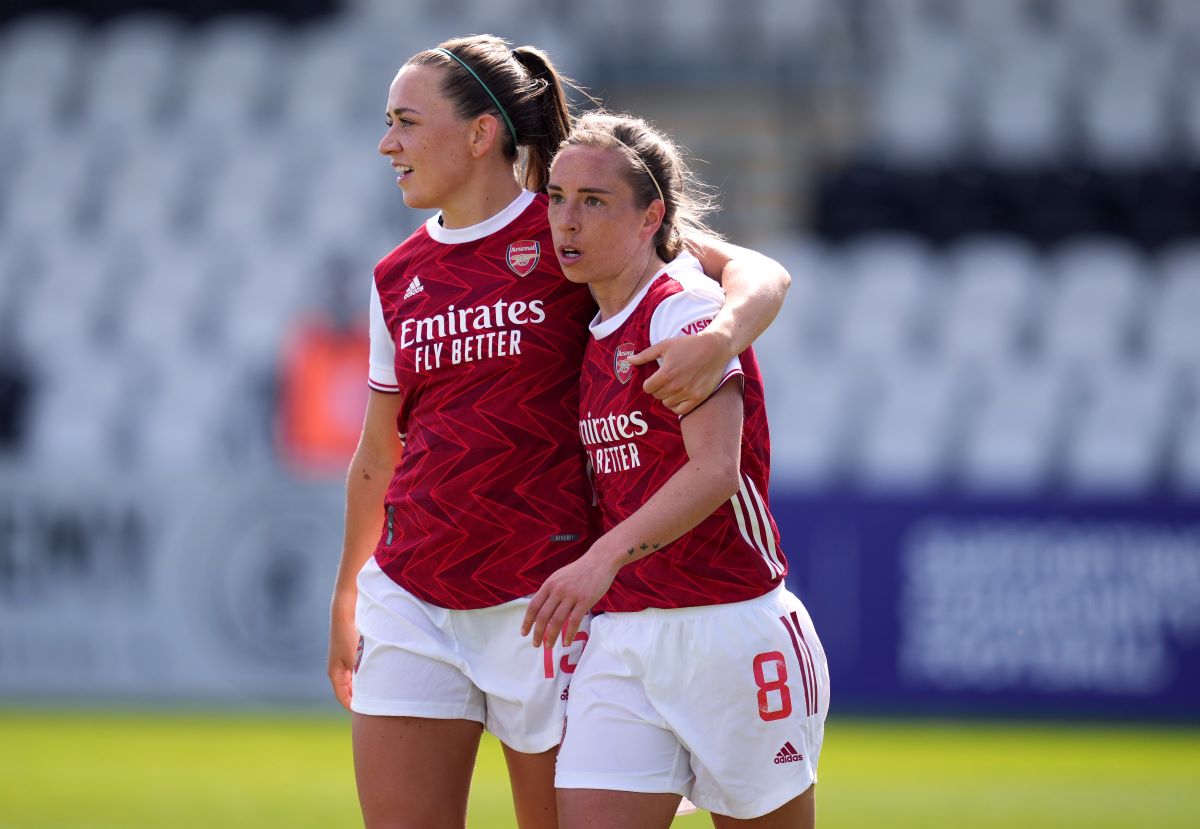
131 72
792 29
813 411
147 189
52 331
159 314
891 283
1013 443
248 191
330 79
1117 444
1189 122
58 435
186 423
1172 332
1094 21
1184 463
39 59
224 82
910 427
1124 121
993 289
1022 105
802 321
916 120
45 192
1096 303
981 19
1179 17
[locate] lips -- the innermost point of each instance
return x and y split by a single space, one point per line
569 253
403 171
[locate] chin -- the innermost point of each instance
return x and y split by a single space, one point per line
574 273
415 201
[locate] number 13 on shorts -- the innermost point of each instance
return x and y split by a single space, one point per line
566 662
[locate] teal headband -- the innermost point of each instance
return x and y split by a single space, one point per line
495 100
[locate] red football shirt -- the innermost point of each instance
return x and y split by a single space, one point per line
635 444
483 336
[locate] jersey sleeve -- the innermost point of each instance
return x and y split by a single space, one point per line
381 375
689 312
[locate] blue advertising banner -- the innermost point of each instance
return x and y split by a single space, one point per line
1016 607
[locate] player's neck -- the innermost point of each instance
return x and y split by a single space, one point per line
613 295
479 199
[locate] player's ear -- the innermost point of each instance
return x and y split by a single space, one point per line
484 132
652 218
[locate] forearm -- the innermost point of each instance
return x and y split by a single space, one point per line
688 497
755 288
565 598
366 486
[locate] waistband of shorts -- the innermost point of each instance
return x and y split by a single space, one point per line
702 610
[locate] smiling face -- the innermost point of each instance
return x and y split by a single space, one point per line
427 142
600 232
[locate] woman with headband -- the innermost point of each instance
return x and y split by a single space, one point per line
703 676
468 486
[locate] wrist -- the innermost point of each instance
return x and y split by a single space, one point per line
610 555
721 332
342 607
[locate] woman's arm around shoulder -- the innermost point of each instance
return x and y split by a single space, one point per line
755 287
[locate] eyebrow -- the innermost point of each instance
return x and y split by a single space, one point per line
398 111
582 189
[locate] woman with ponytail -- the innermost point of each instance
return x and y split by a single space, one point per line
703 677
469 486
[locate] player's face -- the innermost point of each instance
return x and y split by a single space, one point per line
426 140
599 231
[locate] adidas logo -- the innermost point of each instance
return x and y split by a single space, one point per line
414 287
788 754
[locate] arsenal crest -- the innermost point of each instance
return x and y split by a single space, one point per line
621 367
523 256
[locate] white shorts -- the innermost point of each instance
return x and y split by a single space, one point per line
724 705
420 660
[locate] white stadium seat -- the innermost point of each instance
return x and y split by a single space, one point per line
225 78
132 72
995 282
1013 442
910 430
39 58
813 411
1184 465
891 283
1096 303
1118 442
1021 107
1172 331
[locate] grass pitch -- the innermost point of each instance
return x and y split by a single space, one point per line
166 770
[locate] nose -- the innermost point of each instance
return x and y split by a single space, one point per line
390 143
566 218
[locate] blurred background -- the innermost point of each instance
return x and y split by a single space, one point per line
984 387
